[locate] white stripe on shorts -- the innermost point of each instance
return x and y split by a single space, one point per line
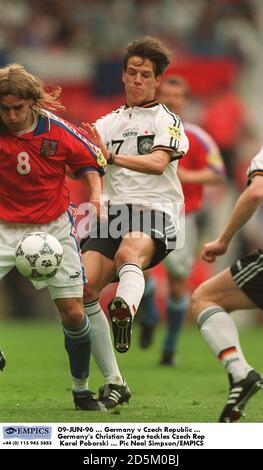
250 271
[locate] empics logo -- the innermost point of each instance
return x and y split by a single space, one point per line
27 432
10 430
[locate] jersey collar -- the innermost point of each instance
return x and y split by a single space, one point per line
43 125
147 104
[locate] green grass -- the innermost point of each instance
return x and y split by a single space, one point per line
36 387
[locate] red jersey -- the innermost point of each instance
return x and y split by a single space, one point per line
33 169
203 153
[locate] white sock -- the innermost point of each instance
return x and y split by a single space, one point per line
221 334
101 345
80 385
131 285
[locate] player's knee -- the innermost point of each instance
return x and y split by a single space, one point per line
198 300
90 292
125 255
72 316
75 317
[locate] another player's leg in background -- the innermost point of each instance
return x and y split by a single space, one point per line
100 271
177 307
76 330
2 360
211 303
178 265
148 312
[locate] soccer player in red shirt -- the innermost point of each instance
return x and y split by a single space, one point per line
35 148
202 165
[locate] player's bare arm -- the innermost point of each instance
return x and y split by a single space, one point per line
92 182
152 163
204 176
245 207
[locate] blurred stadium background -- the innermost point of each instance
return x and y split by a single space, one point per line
217 47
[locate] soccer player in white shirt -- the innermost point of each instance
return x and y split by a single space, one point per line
142 141
236 288
203 166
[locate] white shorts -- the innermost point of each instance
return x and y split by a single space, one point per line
69 280
179 262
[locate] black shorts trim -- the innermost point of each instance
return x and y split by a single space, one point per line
156 224
247 273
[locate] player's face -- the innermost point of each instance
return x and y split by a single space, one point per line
15 113
173 96
139 81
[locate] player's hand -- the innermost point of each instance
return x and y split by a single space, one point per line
212 250
95 137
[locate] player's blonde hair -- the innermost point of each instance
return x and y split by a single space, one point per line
15 80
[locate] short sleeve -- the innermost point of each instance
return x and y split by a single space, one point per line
255 167
170 134
83 158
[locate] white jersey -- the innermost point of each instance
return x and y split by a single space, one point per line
139 131
256 166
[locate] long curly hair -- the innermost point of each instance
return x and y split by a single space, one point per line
15 80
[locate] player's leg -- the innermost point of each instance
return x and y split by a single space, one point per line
211 303
148 311
9 237
76 330
100 271
177 306
66 290
178 265
2 361
134 254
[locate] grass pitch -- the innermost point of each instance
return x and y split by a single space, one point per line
36 386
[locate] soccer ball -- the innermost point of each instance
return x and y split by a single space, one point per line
38 256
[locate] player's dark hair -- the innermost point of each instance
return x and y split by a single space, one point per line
15 80
148 48
177 80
